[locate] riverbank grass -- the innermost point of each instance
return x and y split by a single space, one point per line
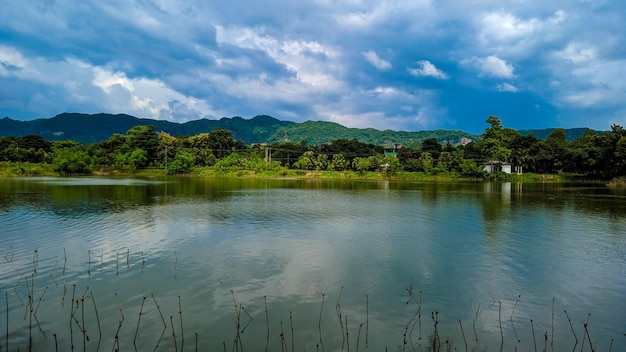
21 169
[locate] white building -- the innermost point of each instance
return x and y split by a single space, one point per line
498 166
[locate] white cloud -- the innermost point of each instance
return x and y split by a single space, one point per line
368 15
491 66
11 57
506 33
499 26
300 57
585 78
577 53
379 63
385 107
427 69
83 84
507 87
147 97
292 59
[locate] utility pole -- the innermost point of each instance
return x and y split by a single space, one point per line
268 156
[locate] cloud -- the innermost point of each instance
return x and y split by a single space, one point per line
306 59
490 66
576 53
507 87
427 69
98 88
506 27
311 60
379 63
587 79
386 107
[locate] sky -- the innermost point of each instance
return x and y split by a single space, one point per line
400 65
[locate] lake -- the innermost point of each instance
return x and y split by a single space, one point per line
184 264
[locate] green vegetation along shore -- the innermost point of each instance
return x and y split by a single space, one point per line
500 154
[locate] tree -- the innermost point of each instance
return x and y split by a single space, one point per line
469 168
522 153
338 163
221 142
427 162
611 151
321 162
361 164
182 163
201 146
306 161
620 156
390 164
138 158
69 161
350 148
492 145
112 147
145 138
168 148
445 161
431 146
131 160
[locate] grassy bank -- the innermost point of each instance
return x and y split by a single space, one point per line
8 169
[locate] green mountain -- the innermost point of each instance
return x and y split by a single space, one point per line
571 133
90 128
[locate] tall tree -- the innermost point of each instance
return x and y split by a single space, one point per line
493 145
221 142
144 137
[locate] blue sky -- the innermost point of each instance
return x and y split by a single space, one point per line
400 65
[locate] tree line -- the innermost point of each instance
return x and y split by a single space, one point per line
593 155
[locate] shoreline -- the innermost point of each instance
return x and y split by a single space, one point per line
8 170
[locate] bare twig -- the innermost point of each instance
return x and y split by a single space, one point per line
512 312
463 333
339 316
138 321
267 321
182 331
552 335
291 325
532 327
162 319
319 323
367 319
571 327
173 333
6 297
95 308
500 320
586 325
474 323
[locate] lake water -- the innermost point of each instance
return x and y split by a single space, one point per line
184 264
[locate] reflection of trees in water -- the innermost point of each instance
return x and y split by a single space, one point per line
497 200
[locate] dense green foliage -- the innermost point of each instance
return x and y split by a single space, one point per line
85 128
592 155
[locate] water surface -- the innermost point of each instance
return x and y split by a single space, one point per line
214 252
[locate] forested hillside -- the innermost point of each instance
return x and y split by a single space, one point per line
85 128
593 155
91 128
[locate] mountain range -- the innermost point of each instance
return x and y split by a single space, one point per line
91 128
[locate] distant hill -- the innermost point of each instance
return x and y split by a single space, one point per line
91 128
571 133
